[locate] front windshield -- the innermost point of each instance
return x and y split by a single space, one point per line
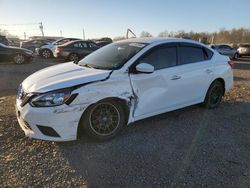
113 56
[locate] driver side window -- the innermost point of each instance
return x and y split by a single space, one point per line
161 57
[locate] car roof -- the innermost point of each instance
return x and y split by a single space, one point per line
151 40
74 41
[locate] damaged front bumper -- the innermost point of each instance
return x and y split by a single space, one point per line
49 123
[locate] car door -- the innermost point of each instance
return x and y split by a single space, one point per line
4 54
225 50
171 86
195 70
152 90
82 49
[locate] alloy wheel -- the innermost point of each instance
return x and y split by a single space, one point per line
19 59
73 57
104 119
46 54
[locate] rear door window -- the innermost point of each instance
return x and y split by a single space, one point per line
191 54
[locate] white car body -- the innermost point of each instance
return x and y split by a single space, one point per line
50 46
145 94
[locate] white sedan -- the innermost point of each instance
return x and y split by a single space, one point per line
118 84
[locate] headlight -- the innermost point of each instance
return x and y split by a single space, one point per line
54 98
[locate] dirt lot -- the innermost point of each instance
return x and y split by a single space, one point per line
191 147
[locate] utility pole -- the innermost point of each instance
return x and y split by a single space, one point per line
61 33
41 28
24 35
83 34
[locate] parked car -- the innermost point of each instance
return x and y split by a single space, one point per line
46 51
75 50
244 50
4 40
14 42
102 43
36 43
15 54
226 50
118 84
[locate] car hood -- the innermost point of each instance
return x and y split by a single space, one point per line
19 49
62 76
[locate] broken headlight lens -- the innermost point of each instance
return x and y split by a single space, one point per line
54 98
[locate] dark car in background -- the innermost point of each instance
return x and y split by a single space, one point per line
4 40
75 50
226 50
15 54
36 43
103 41
244 50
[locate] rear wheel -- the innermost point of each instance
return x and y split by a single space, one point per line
74 57
103 120
214 95
19 59
236 56
46 53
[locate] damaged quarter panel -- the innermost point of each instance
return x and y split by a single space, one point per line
116 86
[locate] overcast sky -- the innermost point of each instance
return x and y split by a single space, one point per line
111 18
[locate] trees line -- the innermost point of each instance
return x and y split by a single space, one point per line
232 36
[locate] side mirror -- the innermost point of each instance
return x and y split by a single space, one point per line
144 68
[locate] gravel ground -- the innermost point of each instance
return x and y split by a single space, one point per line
191 147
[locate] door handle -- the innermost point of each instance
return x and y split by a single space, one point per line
175 77
209 71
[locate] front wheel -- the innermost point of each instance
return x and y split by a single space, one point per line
19 59
103 120
46 53
214 95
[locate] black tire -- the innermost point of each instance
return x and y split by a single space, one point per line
74 57
103 120
236 56
214 95
19 59
46 53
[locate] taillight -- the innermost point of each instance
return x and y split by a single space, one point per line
231 63
58 50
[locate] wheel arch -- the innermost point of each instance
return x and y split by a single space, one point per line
42 49
219 79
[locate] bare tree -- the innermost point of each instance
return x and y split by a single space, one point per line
233 36
119 38
145 34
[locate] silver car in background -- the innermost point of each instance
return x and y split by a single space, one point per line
226 50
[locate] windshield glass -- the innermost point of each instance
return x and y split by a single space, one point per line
113 56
